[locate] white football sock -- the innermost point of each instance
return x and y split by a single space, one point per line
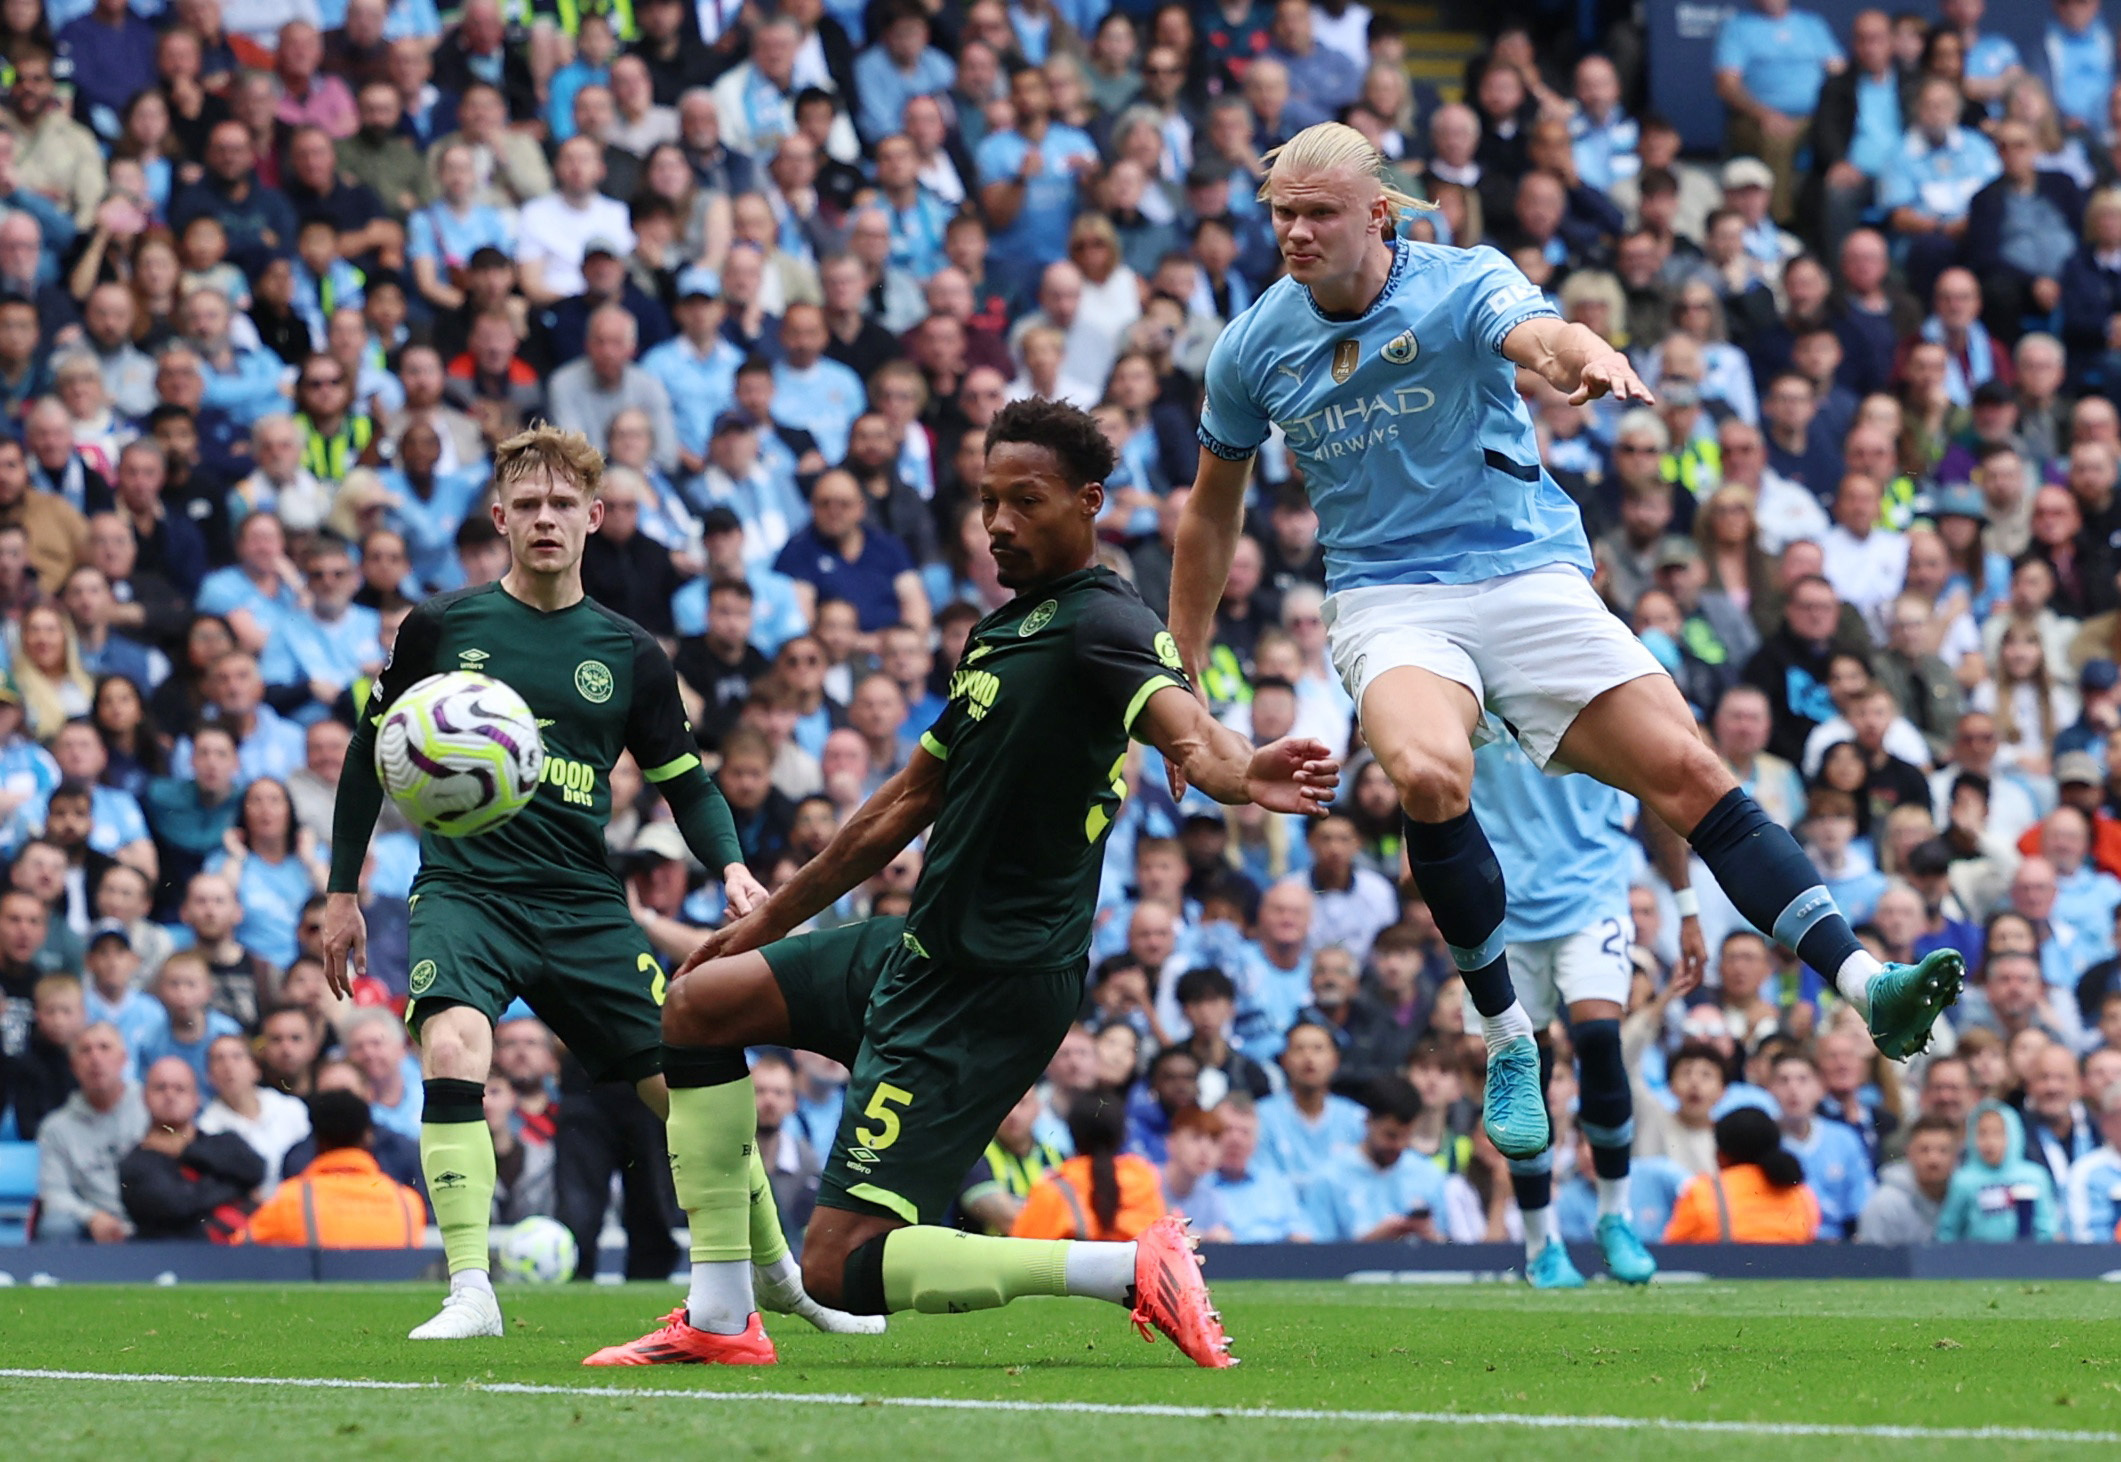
1500 1030
1100 1271
465 1279
1613 1196
719 1301
1854 978
1538 1228
782 1273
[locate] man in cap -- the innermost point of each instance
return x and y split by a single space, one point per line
605 281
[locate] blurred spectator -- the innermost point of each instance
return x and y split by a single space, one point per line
1102 1192
1378 1190
995 1191
1904 1207
80 1145
375 1046
180 1182
1756 1194
341 1199
270 1121
1997 1196
185 987
40 1077
1836 1167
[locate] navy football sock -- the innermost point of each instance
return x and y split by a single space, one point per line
1773 884
1456 871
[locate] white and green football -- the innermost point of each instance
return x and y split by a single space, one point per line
459 753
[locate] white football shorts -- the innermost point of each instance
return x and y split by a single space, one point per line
1535 648
1552 974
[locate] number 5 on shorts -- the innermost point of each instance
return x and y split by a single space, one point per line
881 1136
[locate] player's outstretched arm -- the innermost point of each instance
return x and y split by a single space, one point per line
360 798
871 838
1571 358
1289 775
1673 858
660 738
1208 530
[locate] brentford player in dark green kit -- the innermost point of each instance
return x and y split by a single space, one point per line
532 908
947 1016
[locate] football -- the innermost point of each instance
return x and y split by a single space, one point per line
459 753
536 1251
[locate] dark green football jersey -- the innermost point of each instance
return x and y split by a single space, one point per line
599 685
1035 737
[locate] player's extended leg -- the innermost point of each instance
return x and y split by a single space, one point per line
1605 1111
1546 1259
456 1155
872 1264
1640 737
1419 725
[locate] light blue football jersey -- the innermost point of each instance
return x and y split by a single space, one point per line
1417 452
1563 842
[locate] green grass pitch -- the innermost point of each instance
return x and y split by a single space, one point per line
1769 1370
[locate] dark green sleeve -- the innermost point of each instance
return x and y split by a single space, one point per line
661 740
1123 650
353 815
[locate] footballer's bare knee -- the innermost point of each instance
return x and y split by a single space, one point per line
726 1002
456 1043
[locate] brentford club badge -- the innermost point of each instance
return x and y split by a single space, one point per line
1345 354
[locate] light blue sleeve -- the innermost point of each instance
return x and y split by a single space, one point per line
420 239
1896 187
1824 45
220 594
1232 422
1858 1184
1730 48
2089 1209
1987 162
1331 1214
1000 155
1495 298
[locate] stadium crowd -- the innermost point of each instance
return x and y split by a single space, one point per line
276 275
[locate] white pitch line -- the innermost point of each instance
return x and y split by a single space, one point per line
1099 1408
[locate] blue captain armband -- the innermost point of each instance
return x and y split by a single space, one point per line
1223 449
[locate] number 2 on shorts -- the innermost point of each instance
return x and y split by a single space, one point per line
881 1136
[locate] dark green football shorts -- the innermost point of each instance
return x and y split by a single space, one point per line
586 969
938 1057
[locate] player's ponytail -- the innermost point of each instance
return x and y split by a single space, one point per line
1098 1125
1333 146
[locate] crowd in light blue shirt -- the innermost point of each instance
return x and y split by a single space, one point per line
1938 179
1783 59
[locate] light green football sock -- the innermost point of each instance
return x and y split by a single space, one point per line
940 1271
713 1134
457 1159
769 1242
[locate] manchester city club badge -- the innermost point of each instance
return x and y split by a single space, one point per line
1401 348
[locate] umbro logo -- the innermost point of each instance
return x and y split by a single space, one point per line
450 1179
544 721
472 659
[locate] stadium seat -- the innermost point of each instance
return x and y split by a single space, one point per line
18 1191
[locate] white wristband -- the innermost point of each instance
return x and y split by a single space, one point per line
1687 902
